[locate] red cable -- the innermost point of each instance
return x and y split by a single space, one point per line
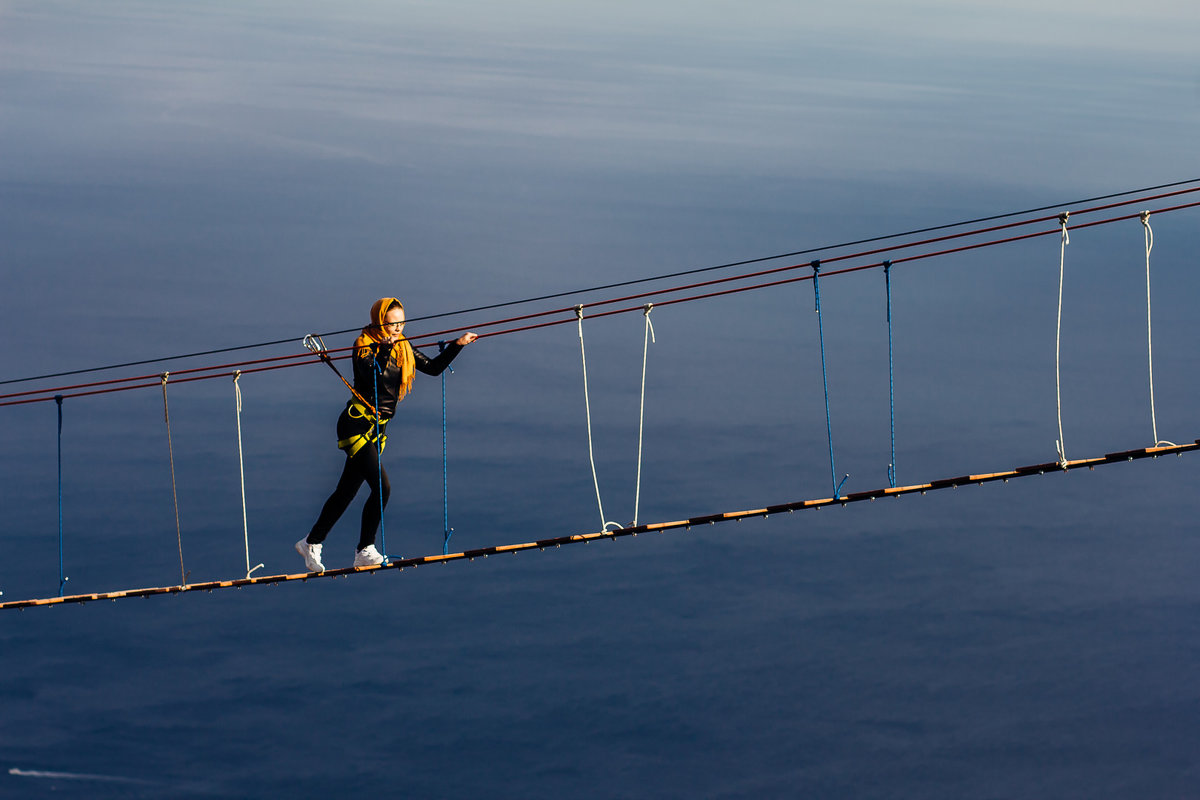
805 265
48 394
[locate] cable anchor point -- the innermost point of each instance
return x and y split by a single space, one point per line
1062 454
646 309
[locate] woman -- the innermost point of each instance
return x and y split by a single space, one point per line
384 364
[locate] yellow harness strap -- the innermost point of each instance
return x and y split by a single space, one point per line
356 442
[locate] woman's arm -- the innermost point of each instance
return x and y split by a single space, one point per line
434 366
369 362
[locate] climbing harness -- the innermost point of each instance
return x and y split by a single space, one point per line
237 392
377 435
587 406
174 492
816 281
1059 443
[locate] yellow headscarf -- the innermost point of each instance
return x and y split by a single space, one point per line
374 334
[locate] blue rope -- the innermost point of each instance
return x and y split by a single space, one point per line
447 531
58 398
379 460
887 279
837 487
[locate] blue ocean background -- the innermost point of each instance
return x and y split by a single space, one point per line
202 175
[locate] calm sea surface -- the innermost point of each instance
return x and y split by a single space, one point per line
216 174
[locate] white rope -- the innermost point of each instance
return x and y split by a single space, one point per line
237 390
1149 235
183 575
649 337
588 410
1066 240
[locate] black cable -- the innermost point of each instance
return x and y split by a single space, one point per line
617 285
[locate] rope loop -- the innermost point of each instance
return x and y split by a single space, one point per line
646 340
587 406
174 490
379 464
237 392
447 531
166 376
62 579
887 279
837 487
1060 442
1149 239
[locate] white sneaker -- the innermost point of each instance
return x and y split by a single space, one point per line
368 557
311 554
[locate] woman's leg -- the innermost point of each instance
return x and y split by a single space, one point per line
372 474
347 486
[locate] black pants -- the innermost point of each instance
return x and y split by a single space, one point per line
362 467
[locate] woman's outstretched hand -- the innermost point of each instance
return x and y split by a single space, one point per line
466 339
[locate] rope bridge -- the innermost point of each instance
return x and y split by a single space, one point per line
633 530
725 285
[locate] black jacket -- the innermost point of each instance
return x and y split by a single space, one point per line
375 369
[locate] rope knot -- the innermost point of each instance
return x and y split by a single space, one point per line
816 268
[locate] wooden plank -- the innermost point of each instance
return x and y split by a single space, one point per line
399 564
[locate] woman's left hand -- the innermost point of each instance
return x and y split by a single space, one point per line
466 339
